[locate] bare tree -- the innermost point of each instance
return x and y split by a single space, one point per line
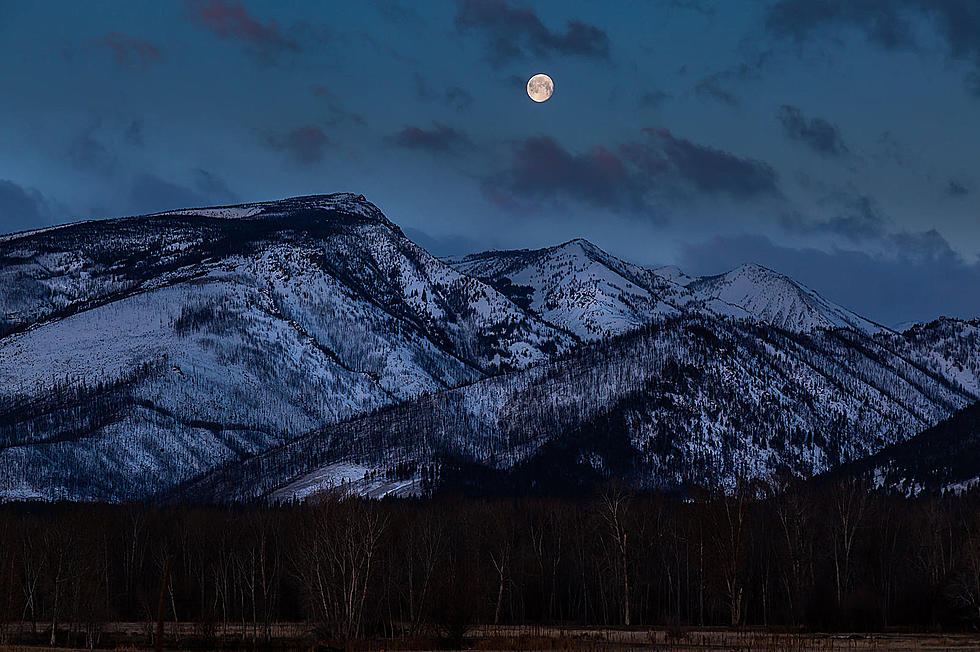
850 501
615 503
335 561
728 531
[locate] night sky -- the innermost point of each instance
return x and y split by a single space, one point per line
835 141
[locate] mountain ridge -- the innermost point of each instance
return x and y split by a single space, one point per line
146 353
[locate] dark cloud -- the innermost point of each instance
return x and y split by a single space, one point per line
858 218
441 138
631 176
458 97
336 113
129 51
228 19
819 135
543 169
710 87
705 169
149 193
720 85
21 208
921 277
705 7
447 245
212 186
516 31
397 12
884 22
956 189
305 144
887 23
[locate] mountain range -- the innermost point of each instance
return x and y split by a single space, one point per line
279 349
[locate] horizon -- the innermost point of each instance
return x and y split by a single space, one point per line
836 146
897 326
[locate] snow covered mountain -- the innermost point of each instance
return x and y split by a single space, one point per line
274 348
146 350
944 458
756 293
694 399
584 290
575 286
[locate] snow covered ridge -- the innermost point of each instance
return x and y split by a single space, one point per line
143 353
139 352
585 290
342 202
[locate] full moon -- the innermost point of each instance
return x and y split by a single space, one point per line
540 87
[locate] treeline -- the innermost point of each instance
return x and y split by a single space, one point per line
833 557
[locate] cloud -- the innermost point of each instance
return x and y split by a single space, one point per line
628 177
21 208
920 278
446 245
88 154
717 86
886 23
956 189
228 19
513 32
819 135
543 169
705 169
441 138
458 97
453 96
211 186
652 99
710 87
129 51
336 113
859 219
305 144
148 193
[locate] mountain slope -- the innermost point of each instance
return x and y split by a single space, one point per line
272 349
159 346
584 290
692 399
755 292
945 457
576 286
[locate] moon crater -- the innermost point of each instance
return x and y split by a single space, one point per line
540 87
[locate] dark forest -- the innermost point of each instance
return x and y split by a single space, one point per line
799 556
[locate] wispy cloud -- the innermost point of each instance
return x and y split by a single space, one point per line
304 145
513 31
818 134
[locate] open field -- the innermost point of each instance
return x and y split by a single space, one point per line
289 636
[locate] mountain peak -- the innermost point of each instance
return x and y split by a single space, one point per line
581 243
752 290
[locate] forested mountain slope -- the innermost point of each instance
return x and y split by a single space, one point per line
945 457
300 343
692 400
141 351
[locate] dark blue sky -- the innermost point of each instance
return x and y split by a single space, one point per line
833 140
